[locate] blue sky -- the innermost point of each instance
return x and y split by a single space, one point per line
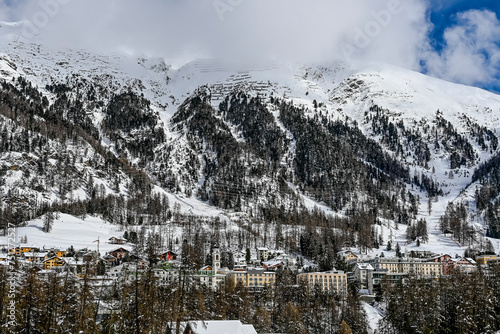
445 15
456 40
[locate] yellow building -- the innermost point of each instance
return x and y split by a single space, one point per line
483 259
22 250
348 256
53 262
253 278
328 281
60 253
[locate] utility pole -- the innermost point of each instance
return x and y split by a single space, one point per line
98 242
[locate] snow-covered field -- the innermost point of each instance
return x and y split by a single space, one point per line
373 315
70 231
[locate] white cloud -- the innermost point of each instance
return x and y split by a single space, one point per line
391 31
296 30
4 11
471 54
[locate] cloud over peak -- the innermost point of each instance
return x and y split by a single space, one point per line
471 51
391 31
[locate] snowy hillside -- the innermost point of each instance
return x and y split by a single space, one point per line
86 132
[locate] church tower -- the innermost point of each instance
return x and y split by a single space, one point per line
216 259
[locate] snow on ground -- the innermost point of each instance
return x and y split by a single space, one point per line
70 231
373 315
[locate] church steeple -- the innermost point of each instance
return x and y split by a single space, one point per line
216 259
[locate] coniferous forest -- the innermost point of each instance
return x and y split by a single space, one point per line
299 178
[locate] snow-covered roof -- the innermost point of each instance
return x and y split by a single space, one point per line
220 327
347 252
364 266
117 238
206 268
272 263
30 254
438 256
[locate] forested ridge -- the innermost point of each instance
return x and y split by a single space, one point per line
89 149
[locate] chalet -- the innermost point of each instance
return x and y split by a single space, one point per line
117 241
440 258
53 262
464 265
285 258
206 270
272 265
168 256
119 252
348 256
110 260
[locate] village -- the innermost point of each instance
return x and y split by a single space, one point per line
252 269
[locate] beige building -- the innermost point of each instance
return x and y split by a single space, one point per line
418 267
253 278
329 280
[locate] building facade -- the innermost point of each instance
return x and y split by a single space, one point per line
417 267
328 281
253 278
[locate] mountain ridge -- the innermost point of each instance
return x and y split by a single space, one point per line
254 139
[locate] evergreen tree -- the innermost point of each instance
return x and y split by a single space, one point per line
398 250
48 222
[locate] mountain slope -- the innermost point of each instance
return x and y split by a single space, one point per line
88 132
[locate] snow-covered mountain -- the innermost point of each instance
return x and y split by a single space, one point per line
264 139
